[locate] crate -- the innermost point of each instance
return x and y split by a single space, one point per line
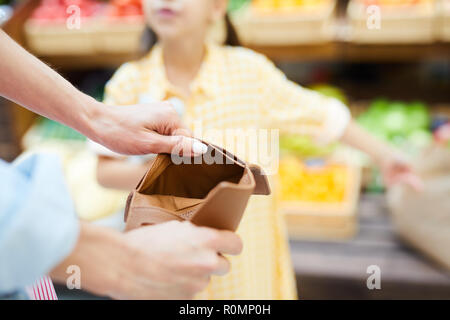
400 24
96 36
54 38
119 35
444 20
325 221
310 25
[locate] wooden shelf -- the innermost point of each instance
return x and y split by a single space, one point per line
350 52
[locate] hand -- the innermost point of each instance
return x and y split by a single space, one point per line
168 261
175 260
142 129
396 170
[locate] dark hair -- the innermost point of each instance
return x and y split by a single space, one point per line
149 37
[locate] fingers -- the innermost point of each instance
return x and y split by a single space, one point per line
182 131
222 241
178 145
223 266
412 180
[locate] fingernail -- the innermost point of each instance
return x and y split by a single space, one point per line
199 148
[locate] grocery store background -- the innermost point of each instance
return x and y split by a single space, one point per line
394 76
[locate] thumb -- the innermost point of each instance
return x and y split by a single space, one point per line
179 145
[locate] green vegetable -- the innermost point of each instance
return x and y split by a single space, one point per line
330 91
304 146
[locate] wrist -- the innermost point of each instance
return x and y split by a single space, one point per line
99 256
93 114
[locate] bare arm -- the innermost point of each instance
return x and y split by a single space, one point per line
151 128
31 83
394 165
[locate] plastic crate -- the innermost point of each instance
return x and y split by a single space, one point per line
400 24
325 221
310 25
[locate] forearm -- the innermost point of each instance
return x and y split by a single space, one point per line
32 84
100 255
119 174
359 138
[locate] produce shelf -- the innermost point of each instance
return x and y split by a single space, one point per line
399 23
306 24
325 220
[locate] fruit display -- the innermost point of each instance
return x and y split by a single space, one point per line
318 200
286 22
124 8
323 183
392 21
57 10
405 125
114 27
280 6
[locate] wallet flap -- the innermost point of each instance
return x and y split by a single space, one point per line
262 186
224 207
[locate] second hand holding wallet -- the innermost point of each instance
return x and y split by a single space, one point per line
210 190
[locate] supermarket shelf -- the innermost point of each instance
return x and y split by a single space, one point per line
86 62
340 52
350 52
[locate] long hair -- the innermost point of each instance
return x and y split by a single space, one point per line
149 37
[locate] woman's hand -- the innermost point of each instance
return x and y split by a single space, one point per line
394 166
142 129
151 128
397 170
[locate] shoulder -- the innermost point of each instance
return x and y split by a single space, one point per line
126 72
246 56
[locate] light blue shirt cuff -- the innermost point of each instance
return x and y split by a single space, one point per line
38 224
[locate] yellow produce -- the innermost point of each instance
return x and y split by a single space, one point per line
283 5
312 184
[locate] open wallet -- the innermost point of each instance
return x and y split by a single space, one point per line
210 190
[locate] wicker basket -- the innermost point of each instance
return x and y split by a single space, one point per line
399 24
313 25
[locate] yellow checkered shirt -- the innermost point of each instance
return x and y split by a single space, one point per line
237 88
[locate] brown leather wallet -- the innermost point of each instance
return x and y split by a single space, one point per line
211 193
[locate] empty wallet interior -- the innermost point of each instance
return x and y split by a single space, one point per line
181 188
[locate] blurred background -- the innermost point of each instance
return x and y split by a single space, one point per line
393 73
